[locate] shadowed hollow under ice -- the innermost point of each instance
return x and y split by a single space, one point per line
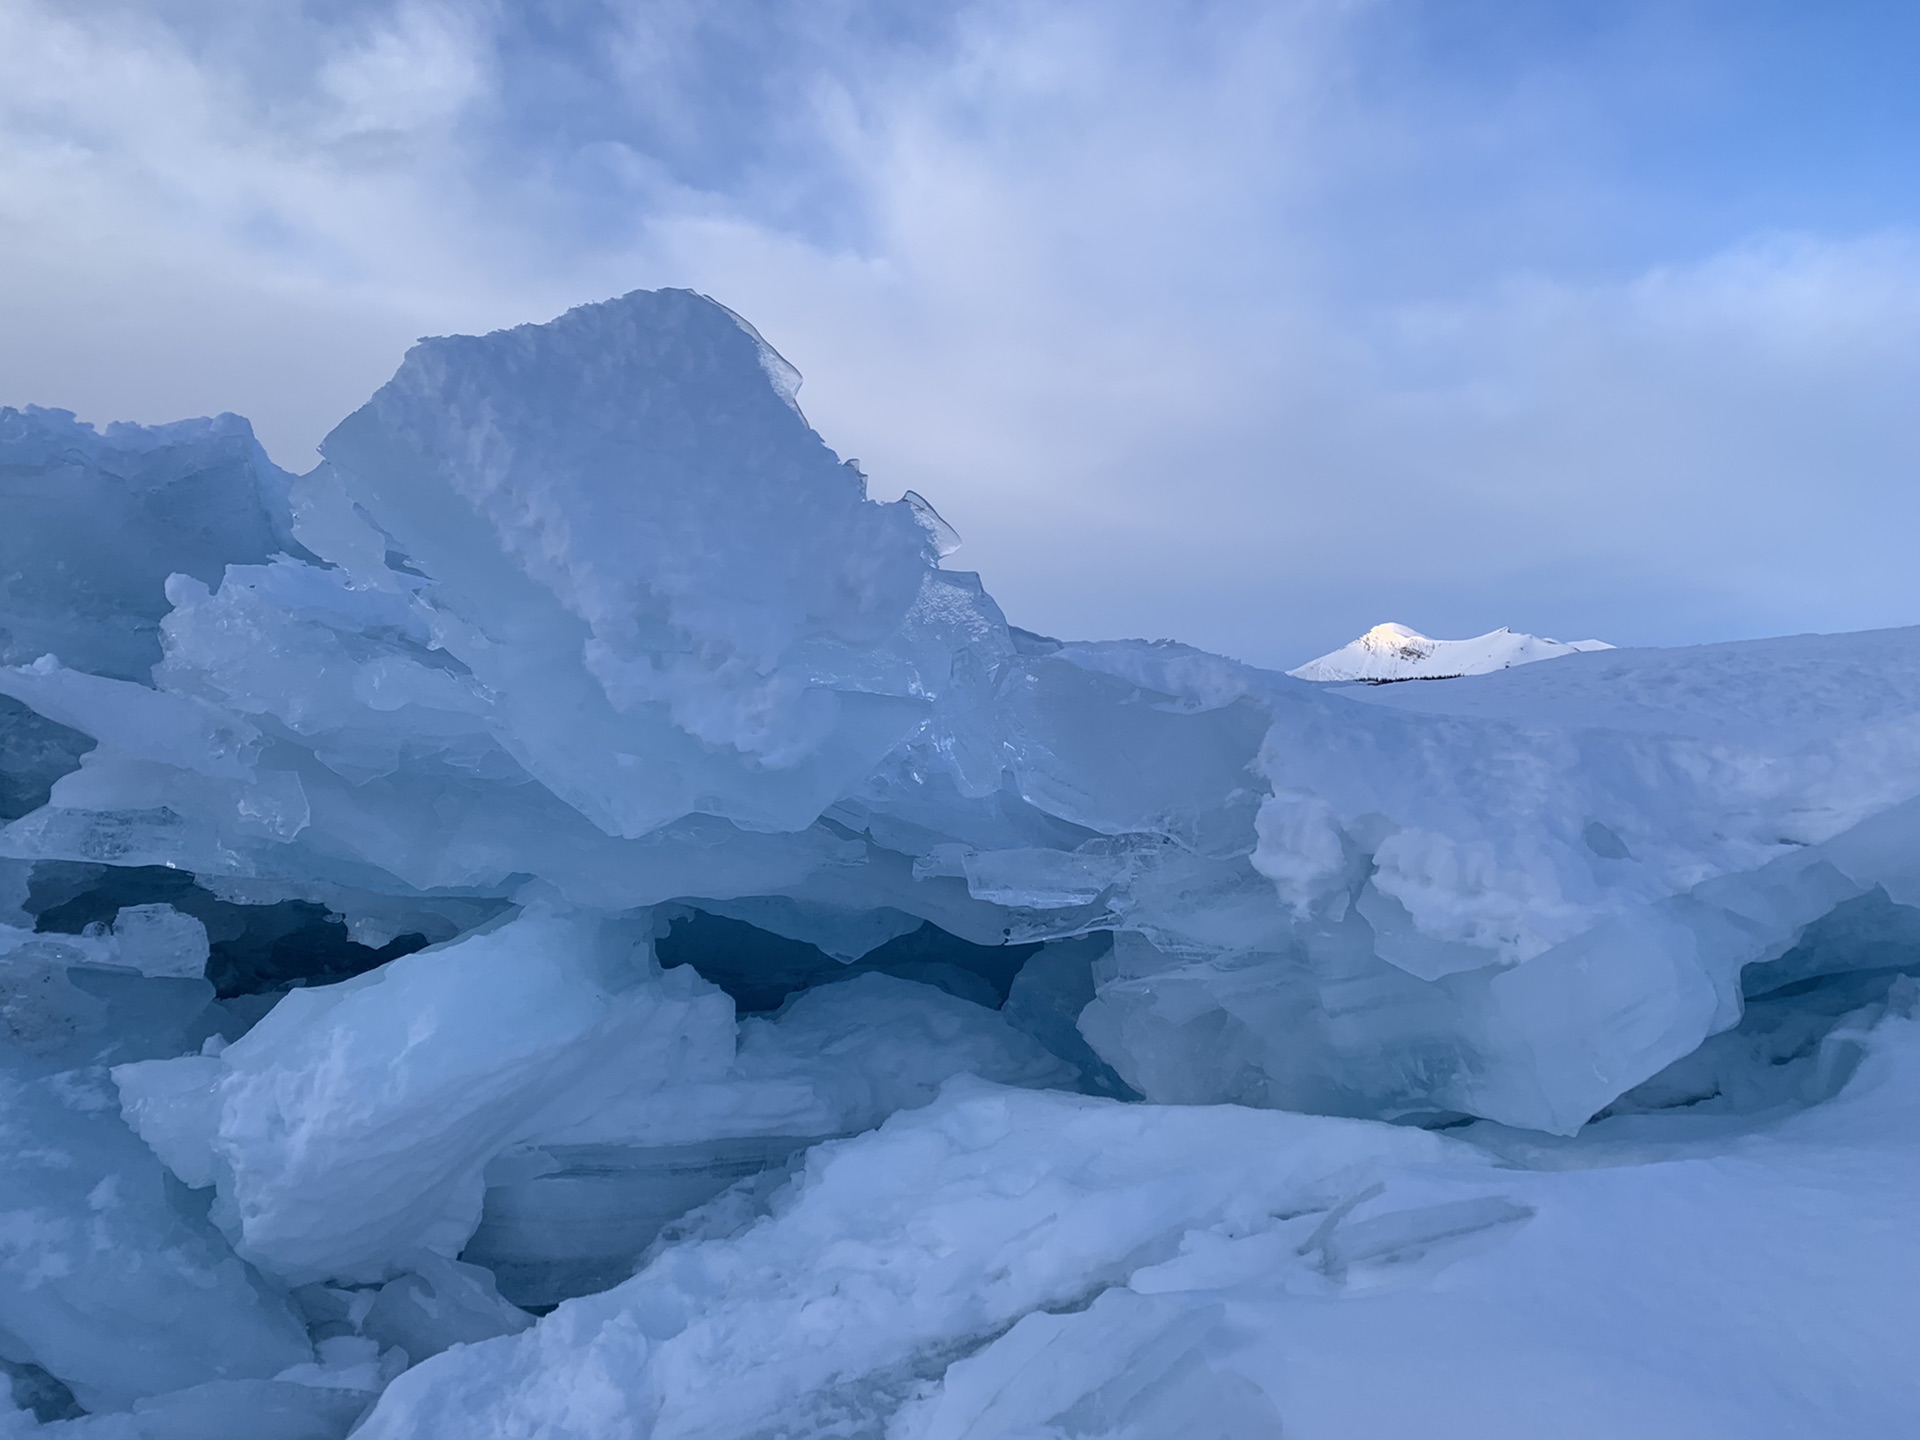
570 920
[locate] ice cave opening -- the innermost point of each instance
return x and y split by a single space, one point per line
760 969
253 949
1805 1017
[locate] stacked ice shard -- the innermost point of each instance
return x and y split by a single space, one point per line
584 664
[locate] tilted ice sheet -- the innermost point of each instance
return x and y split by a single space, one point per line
350 1129
1521 909
575 1205
349 1134
680 605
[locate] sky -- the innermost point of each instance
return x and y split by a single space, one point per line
1251 325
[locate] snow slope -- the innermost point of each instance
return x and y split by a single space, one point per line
1393 652
1011 1263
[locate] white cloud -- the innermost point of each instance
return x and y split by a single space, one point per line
418 67
1082 274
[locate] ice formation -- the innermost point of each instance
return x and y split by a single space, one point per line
1391 652
575 849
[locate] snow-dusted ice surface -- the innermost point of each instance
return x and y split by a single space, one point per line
574 849
1004 1263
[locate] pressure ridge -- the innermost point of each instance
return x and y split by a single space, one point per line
518 854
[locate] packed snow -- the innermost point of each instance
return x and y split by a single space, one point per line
1392 652
569 920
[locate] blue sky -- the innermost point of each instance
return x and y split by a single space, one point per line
1251 324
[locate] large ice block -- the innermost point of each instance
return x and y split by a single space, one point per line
97 521
350 1129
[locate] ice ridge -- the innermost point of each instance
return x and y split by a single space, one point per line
576 847
587 613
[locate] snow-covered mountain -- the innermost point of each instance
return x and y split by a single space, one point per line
1394 652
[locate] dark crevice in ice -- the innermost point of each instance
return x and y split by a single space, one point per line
42 1394
34 753
253 949
600 1212
760 969
1806 1013
1870 932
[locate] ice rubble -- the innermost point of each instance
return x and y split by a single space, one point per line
524 849
352 1128
598 621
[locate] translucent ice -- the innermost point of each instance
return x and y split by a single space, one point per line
97 521
577 1206
68 1001
106 1283
349 1130
692 579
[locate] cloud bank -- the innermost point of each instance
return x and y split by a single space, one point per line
1251 324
